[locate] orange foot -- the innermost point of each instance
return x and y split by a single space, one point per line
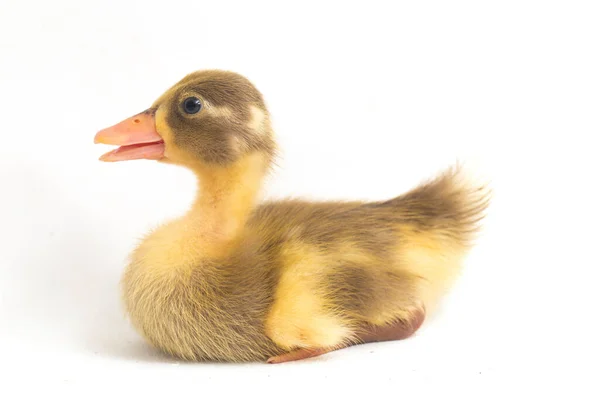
296 355
397 331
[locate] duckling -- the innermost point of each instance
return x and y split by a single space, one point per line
239 280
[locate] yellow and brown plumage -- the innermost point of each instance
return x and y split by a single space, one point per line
239 280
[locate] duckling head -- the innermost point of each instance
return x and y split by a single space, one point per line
209 118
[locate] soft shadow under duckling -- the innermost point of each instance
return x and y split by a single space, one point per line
234 280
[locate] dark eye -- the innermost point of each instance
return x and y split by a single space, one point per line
192 105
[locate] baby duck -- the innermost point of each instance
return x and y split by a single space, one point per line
234 280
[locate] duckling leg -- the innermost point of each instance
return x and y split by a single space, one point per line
399 330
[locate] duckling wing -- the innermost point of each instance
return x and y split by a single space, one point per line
357 272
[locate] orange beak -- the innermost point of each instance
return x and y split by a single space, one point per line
136 137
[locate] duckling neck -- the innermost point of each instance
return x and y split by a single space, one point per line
226 197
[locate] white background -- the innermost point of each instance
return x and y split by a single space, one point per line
368 99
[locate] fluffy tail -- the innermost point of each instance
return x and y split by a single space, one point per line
439 220
451 205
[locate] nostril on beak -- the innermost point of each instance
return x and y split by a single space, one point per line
137 121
